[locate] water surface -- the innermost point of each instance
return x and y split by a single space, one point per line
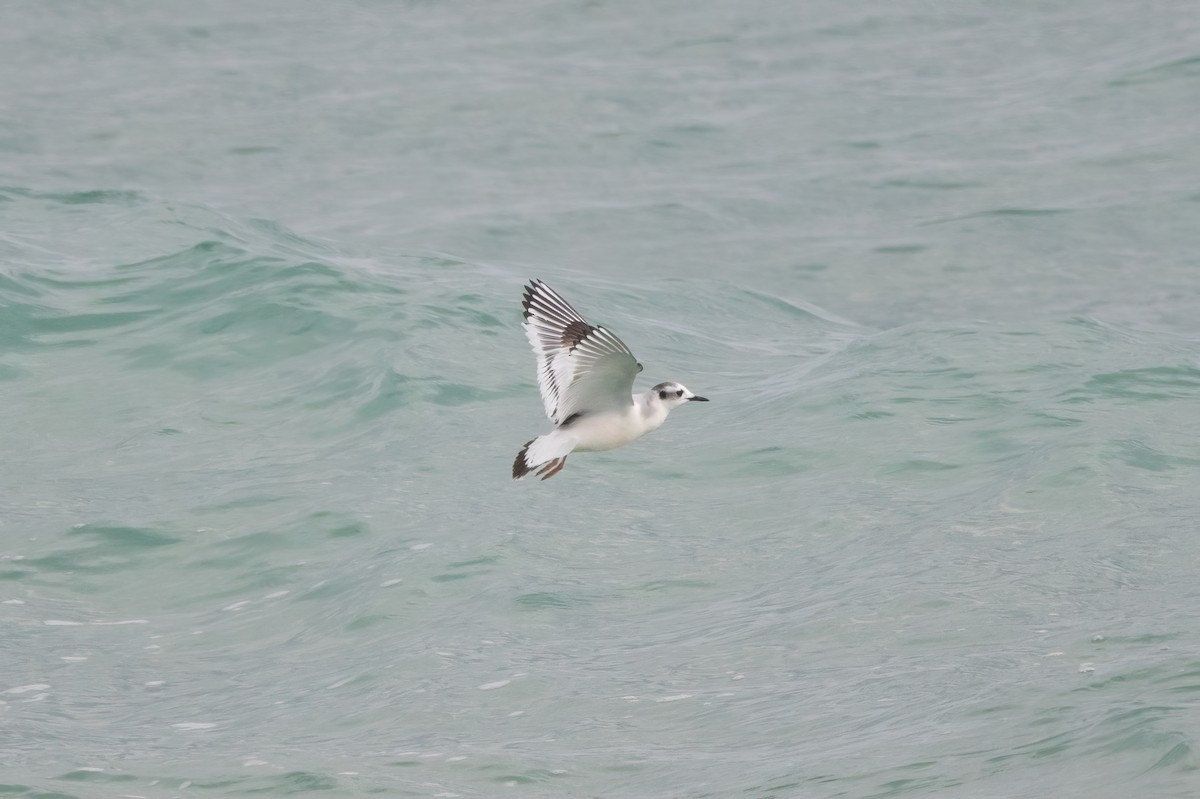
262 380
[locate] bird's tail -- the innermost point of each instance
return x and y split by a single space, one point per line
549 451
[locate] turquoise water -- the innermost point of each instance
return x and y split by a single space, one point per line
262 380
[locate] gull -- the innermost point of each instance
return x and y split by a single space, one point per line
585 374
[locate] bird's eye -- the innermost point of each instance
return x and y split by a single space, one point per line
662 395
679 393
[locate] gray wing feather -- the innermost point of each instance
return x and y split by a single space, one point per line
581 367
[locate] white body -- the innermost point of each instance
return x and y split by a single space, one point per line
611 429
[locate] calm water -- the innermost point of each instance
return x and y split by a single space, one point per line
262 380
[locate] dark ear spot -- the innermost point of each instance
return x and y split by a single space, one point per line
662 395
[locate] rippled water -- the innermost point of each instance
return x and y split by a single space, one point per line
262 380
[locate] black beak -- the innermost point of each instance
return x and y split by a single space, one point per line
697 399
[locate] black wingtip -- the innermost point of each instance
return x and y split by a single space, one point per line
527 297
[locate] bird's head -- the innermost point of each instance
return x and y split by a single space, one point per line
672 395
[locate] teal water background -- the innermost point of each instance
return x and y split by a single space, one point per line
262 380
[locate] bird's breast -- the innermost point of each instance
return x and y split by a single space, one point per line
603 431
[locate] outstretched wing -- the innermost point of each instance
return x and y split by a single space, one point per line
582 368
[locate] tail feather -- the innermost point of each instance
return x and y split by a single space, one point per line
542 450
520 467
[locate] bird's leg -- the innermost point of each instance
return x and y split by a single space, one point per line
556 469
548 467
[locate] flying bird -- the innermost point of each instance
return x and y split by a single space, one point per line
585 374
